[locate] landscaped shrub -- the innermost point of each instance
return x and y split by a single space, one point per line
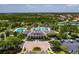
29 38
36 49
74 35
57 47
15 33
45 38
7 33
11 50
2 35
51 34
55 42
21 36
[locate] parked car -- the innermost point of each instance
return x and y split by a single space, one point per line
77 39
71 40
66 40
62 40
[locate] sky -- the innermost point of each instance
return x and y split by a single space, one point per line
15 8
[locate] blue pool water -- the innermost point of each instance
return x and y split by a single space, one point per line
41 28
20 30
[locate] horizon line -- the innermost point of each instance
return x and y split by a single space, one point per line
39 12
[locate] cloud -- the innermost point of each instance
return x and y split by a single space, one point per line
71 5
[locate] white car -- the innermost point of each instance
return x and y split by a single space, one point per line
77 39
71 40
66 40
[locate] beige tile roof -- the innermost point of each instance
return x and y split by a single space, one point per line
29 45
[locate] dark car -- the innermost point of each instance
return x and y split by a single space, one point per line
62 40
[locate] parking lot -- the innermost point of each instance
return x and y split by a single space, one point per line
72 46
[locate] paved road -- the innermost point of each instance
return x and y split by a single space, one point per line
42 52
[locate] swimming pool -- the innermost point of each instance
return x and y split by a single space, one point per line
41 28
20 29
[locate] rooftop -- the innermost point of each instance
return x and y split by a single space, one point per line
29 45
